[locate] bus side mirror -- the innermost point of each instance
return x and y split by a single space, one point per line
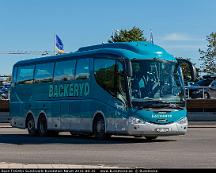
213 87
129 68
188 65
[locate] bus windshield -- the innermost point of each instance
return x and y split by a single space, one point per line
156 80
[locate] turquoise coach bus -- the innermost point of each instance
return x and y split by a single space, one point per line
128 88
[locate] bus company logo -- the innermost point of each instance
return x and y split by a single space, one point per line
69 90
161 116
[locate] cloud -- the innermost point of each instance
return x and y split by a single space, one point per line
178 37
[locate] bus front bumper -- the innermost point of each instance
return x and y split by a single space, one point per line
151 129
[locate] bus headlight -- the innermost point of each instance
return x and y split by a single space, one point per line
183 121
134 120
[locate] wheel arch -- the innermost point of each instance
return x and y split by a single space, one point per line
29 114
98 114
42 113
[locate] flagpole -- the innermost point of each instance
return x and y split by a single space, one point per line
151 37
54 43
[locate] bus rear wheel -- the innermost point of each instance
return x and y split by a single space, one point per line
42 126
99 128
30 124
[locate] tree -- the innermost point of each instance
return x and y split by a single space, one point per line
134 34
208 56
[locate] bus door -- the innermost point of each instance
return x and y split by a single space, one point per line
120 115
110 89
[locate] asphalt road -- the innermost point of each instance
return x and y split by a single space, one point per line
196 149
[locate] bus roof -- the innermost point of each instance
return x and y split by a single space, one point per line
130 50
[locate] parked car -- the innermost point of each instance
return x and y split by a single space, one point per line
204 88
4 91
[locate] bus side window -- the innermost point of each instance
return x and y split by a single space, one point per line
25 74
82 69
64 70
104 71
44 73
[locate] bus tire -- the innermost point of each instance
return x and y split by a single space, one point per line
138 136
99 127
42 126
149 138
30 125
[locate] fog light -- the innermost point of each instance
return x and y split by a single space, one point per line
133 120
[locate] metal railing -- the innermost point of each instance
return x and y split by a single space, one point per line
198 92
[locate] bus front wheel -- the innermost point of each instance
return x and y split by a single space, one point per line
42 126
30 124
99 128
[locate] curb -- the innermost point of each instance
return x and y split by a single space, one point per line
202 124
5 125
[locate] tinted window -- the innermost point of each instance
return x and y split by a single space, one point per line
104 71
25 74
44 72
64 70
82 69
204 82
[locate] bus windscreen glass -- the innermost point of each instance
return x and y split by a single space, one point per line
157 80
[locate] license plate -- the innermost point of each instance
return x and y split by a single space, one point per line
162 130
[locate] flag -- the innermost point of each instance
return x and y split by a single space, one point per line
59 45
151 37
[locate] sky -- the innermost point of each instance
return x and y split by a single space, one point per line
179 26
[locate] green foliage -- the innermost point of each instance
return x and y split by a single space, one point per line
208 56
186 70
134 34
